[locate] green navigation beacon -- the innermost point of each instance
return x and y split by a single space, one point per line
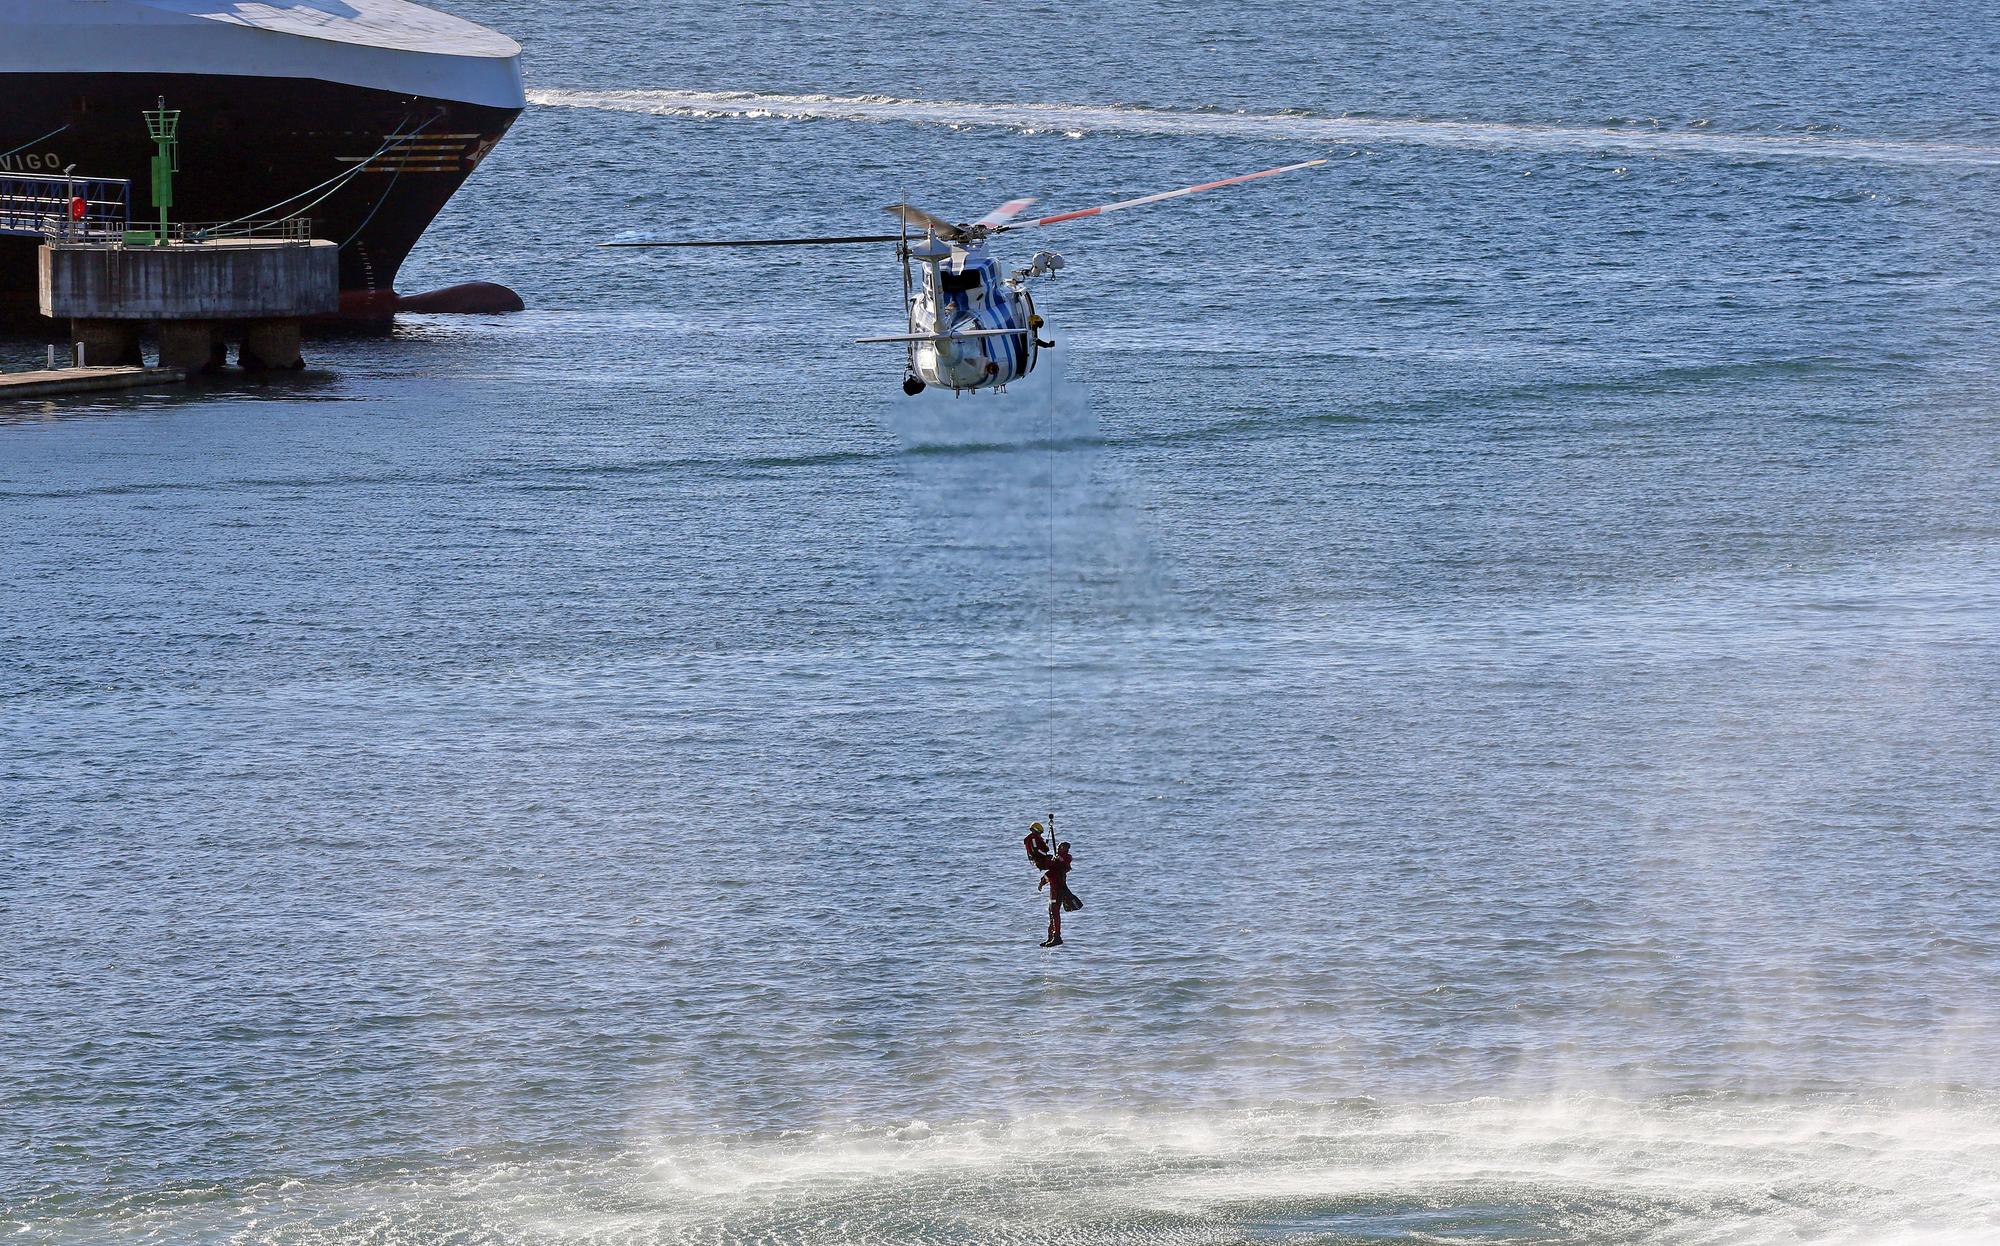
164 125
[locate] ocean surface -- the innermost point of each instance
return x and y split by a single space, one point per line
1510 621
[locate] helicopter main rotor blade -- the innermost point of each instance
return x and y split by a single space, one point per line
765 242
926 221
1164 195
1004 213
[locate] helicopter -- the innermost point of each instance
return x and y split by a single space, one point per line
968 327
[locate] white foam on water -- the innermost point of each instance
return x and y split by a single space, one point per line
1744 1171
1076 121
1044 407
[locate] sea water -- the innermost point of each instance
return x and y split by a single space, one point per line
1509 620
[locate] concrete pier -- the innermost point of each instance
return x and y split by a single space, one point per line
201 294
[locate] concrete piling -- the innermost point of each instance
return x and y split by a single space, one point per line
112 343
188 345
271 346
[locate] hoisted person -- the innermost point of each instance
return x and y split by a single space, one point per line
1055 868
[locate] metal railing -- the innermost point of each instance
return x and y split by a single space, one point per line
30 204
283 229
45 207
296 229
64 229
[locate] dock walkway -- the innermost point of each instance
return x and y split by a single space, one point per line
83 381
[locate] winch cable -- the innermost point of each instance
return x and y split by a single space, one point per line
1049 613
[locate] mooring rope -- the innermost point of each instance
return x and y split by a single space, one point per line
394 177
14 151
331 186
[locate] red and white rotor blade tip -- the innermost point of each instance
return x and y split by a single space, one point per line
1162 197
1004 213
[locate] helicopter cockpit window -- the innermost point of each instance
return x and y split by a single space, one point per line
959 283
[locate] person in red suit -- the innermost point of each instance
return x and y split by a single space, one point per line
1055 879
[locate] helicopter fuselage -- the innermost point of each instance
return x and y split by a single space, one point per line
971 327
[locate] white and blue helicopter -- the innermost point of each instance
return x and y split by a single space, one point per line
968 327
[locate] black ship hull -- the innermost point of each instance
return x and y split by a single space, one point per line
245 144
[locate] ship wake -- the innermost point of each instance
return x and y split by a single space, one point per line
1692 138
